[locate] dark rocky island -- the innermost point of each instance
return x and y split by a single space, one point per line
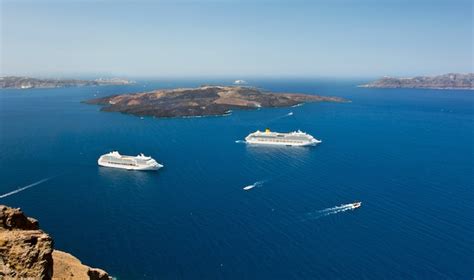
26 82
446 81
202 101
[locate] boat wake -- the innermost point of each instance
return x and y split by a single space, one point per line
289 114
25 187
329 211
254 185
240 141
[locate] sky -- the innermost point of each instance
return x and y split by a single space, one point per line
260 38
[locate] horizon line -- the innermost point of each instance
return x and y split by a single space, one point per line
218 76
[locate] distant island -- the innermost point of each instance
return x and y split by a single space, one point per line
27 82
201 101
446 81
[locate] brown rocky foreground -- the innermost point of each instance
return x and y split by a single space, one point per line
202 101
26 252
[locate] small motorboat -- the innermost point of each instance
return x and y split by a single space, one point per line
356 205
249 187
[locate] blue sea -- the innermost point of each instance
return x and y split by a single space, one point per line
406 154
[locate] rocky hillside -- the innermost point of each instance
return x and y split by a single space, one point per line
26 252
27 82
202 101
446 81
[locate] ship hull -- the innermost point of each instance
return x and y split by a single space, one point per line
295 138
269 143
138 168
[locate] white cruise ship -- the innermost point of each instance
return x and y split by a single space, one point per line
140 162
240 82
295 138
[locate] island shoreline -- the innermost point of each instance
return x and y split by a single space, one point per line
205 101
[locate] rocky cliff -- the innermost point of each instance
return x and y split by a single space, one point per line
446 81
26 252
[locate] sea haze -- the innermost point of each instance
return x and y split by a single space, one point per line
406 154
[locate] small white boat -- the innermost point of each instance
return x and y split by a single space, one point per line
256 184
240 82
249 187
140 162
356 205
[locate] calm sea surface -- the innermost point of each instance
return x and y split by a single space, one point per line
406 154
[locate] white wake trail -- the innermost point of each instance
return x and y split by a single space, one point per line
256 184
330 211
280 117
284 116
25 187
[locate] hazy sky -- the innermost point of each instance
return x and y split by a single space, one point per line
236 38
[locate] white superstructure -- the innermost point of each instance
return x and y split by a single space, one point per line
240 82
295 138
140 162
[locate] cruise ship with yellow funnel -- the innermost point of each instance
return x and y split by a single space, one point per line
295 138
